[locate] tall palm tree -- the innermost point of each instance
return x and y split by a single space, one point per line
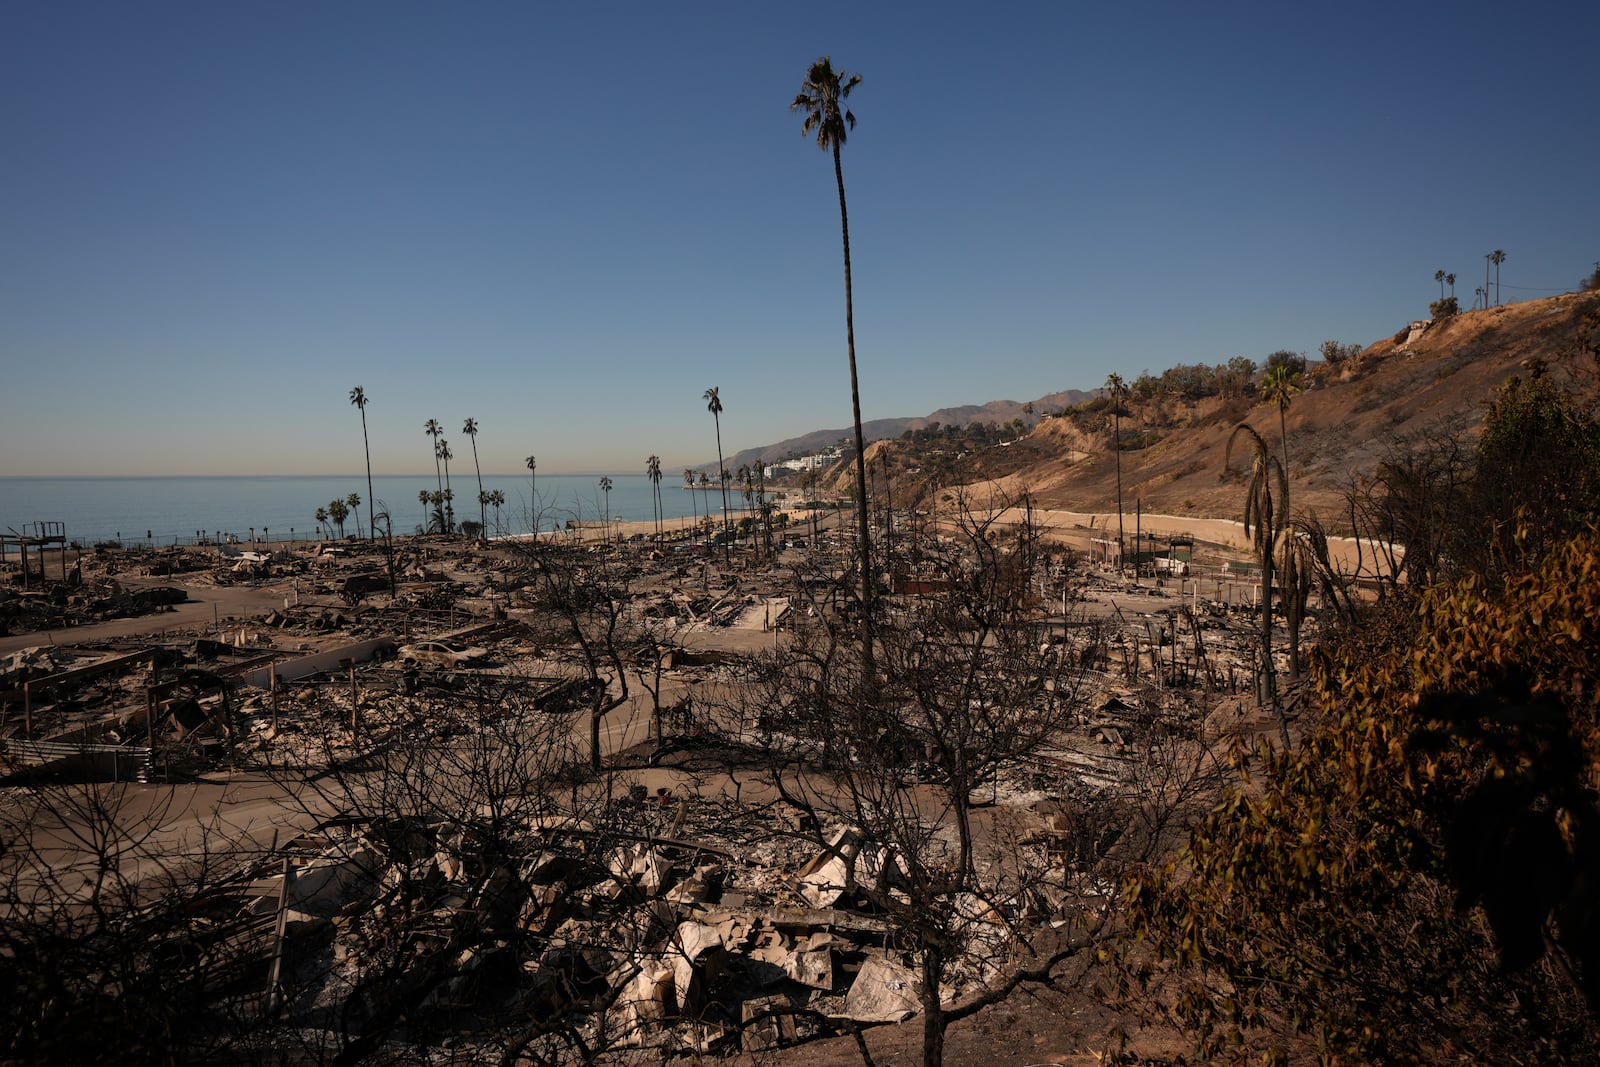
1262 522
694 509
358 397
1450 279
471 430
322 518
354 500
1281 385
747 487
714 405
762 506
443 448
434 430
532 463
821 99
1438 276
497 499
424 498
605 487
652 467
338 511
1496 257
1119 393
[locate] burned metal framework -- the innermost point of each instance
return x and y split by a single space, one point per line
36 535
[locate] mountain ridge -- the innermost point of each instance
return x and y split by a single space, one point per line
872 430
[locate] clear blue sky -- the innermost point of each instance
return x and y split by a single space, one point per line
568 220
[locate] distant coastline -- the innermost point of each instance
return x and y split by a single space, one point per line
166 510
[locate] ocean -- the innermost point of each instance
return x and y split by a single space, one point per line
167 511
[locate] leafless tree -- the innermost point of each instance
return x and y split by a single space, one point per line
121 928
584 598
893 771
483 884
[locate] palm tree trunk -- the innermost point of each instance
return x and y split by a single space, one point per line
1283 432
727 542
1116 448
449 502
862 529
483 518
372 528
1269 682
437 477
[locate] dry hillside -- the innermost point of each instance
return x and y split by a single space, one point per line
1418 384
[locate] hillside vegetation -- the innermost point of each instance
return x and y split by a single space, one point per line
1424 384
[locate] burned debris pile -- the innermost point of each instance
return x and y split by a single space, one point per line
568 801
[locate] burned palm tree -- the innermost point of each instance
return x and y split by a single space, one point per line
1262 523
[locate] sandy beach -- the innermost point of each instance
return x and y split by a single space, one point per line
676 529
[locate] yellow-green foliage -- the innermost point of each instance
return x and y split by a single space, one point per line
1415 881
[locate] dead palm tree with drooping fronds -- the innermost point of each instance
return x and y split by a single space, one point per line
358 397
821 99
1280 386
1297 566
1262 523
470 428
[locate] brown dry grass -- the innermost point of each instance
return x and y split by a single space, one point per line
1340 425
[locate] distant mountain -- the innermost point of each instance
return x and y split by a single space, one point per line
888 429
